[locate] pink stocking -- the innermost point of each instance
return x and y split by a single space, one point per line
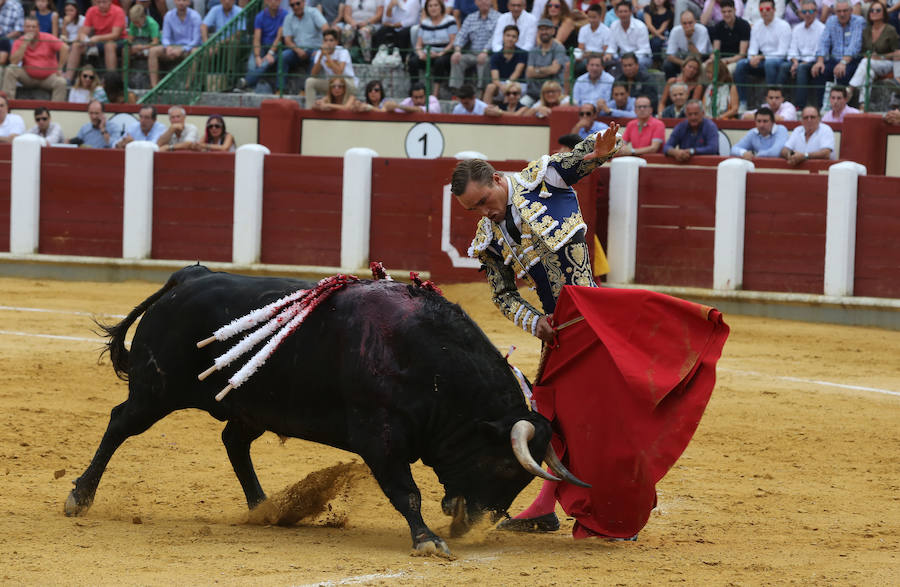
544 503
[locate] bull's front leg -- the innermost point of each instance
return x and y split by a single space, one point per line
397 482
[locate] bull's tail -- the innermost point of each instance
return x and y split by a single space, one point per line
118 354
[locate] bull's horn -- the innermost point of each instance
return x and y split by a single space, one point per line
557 467
522 431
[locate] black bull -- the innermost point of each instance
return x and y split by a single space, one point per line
391 372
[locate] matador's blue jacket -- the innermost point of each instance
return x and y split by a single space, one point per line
552 251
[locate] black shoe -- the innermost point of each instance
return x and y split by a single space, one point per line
546 523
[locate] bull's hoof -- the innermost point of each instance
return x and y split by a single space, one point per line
546 523
461 523
75 508
433 547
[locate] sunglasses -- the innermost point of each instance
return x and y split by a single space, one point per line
585 114
376 90
513 93
41 118
877 10
296 3
766 9
807 12
86 76
214 125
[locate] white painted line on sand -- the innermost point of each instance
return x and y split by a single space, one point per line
809 381
356 580
95 340
51 311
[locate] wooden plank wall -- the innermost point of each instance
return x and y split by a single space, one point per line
301 222
193 208
784 233
676 221
81 202
402 207
877 262
5 171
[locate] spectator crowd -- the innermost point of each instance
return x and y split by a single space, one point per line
769 61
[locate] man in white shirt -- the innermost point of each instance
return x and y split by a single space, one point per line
784 110
329 61
526 23
689 38
802 52
628 35
594 36
812 140
468 103
399 17
770 41
753 14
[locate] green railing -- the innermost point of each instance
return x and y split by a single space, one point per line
215 67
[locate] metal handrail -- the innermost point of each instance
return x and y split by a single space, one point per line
216 65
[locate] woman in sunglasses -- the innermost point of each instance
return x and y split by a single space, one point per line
87 87
338 97
557 11
374 99
882 40
216 137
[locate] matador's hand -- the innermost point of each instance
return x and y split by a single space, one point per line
605 143
545 331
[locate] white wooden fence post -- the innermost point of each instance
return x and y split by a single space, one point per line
840 228
623 212
356 208
25 194
731 205
137 213
246 236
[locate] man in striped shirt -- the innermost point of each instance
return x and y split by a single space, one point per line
839 49
475 38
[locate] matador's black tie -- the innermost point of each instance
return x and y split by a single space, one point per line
511 226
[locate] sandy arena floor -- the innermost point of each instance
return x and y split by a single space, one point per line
792 477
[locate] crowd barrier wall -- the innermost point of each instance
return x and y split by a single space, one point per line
193 206
718 223
283 127
5 169
79 212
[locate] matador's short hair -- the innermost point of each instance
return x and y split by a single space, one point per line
477 170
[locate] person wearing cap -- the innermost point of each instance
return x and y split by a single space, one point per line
547 61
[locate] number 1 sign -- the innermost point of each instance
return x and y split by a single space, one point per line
424 141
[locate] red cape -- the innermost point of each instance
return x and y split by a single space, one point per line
626 389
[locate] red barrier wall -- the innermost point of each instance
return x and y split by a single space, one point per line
877 262
400 232
301 222
462 224
5 170
193 207
784 233
593 196
676 217
81 206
